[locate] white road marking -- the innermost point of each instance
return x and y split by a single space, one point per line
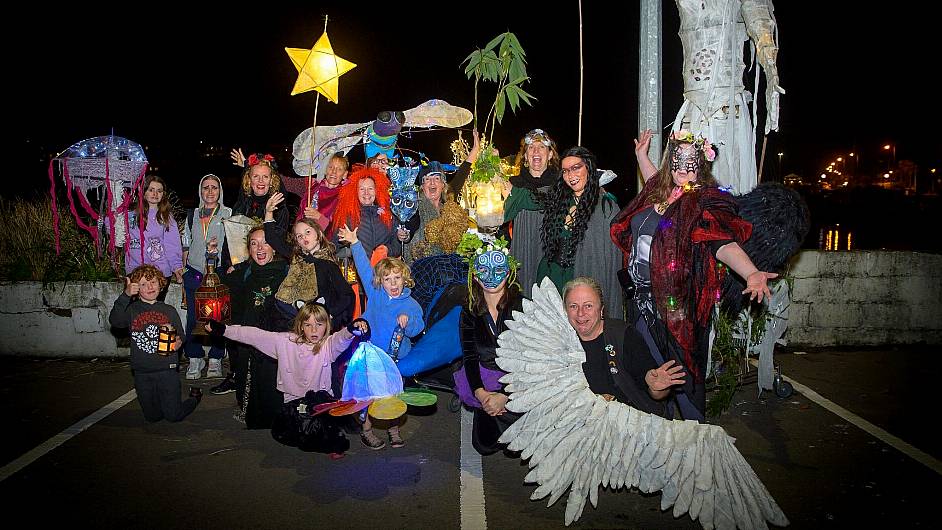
39 451
878 433
473 516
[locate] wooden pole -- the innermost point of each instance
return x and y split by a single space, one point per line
317 101
765 141
581 75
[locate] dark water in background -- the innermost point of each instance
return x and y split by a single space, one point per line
877 219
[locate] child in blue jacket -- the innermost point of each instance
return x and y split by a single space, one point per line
389 305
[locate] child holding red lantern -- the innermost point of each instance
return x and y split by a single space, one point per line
154 327
304 356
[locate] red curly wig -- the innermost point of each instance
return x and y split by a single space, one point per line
348 205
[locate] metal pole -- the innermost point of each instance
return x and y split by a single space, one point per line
649 77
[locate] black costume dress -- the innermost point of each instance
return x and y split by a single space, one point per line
479 346
252 288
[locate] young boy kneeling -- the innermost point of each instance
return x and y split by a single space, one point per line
153 363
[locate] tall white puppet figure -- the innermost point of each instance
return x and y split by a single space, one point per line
716 104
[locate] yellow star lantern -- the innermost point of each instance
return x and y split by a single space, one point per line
318 68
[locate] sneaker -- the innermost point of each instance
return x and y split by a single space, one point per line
336 456
372 441
227 386
215 368
395 439
194 371
196 393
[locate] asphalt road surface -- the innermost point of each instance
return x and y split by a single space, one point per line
207 472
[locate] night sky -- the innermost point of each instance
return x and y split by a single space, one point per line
171 78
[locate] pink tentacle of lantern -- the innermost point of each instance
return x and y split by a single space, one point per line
109 215
78 220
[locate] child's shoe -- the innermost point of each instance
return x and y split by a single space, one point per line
215 368
227 386
195 369
395 439
371 440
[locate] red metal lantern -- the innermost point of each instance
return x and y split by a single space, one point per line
212 298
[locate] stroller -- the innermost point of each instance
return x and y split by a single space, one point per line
441 289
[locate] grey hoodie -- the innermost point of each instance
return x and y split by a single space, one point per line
193 238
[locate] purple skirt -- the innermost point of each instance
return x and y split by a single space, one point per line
490 379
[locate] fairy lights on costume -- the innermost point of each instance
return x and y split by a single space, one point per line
688 152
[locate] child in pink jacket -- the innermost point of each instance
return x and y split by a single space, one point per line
304 356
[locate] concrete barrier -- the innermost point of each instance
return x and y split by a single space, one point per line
865 298
63 318
862 298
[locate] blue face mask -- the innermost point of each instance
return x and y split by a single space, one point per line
491 268
404 202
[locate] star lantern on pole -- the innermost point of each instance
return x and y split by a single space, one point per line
318 68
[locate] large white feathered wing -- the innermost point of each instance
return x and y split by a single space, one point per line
575 439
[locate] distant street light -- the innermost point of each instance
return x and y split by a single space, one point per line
887 147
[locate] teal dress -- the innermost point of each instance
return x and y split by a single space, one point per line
595 263
522 199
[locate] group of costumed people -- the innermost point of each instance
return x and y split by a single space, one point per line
634 287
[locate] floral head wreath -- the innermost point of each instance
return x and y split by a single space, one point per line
258 158
474 243
699 143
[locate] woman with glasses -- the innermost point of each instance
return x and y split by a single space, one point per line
574 233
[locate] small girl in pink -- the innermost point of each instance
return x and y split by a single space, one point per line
304 356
